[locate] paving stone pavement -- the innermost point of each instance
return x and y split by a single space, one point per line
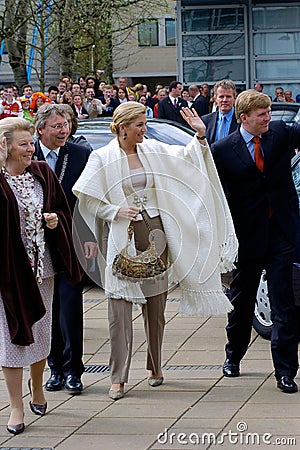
196 407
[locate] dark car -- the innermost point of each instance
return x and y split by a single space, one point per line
98 133
288 112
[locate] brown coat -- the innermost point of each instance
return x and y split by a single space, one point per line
20 293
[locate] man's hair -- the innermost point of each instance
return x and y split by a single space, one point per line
52 88
261 85
44 112
250 100
225 84
90 77
88 87
173 85
26 86
194 88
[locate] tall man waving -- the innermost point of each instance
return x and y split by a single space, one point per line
254 165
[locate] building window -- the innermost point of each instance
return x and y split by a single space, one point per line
276 43
148 33
278 69
211 20
214 69
274 17
170 32
213 44
281 43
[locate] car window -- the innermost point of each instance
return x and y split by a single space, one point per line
288 112
96 139
98 133
167 133
286 116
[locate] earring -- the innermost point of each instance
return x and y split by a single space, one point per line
124 136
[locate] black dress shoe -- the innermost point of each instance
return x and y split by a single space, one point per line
231 369
73 385
16 429
287 384
55 383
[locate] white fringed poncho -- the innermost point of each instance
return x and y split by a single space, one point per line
193 209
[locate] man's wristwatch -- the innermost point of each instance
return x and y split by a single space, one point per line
201 137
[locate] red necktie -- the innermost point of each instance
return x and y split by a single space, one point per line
258 156
259 160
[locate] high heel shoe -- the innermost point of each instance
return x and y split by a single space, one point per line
39 410
16 429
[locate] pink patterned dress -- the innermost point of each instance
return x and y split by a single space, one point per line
29 195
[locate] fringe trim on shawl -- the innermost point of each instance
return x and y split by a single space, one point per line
228 254
204 303
117 288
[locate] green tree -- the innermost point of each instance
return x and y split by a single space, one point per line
14 31
74 36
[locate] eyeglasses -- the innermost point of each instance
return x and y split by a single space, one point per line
60 127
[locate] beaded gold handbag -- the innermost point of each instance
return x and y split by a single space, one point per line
147 264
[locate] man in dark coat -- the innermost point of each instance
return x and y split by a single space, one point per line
68 161
223 121
169 108
199 103
254 165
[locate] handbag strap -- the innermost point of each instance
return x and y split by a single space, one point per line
130 229
145 220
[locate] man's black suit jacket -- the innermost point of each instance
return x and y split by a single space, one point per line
251 193
211 120
166 110
71 161
200 105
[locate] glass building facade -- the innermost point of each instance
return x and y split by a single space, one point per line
247 41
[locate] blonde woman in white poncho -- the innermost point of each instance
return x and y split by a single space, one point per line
179 191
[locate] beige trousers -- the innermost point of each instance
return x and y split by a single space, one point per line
120 317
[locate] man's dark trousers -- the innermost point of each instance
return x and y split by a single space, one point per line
65 357
278 265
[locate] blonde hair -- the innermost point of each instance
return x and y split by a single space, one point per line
162 90
250 100
11 124
125 114
225 84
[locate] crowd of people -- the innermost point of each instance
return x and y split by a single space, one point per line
237 209
90 97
